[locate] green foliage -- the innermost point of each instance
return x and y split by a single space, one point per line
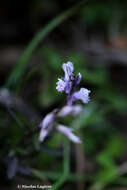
107 158
92 13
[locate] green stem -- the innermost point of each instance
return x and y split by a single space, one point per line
59 183
56 175
66 166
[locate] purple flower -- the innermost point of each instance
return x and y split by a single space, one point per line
48 119
61 84
69 83
65 84
82 94
43 134
78 78
70 110
68 70
68 132
47 125
68 87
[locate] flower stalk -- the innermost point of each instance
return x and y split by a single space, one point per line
68 85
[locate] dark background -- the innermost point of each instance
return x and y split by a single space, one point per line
95 40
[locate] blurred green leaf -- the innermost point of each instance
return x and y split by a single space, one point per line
52 58
107 175
119 102
92 13
115 146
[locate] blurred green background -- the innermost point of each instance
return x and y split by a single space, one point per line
36 38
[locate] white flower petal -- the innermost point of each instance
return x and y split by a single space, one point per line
78 78
66 110
61 84
68 70
70 110
48 119
77 110
82 94
68 132
43 134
